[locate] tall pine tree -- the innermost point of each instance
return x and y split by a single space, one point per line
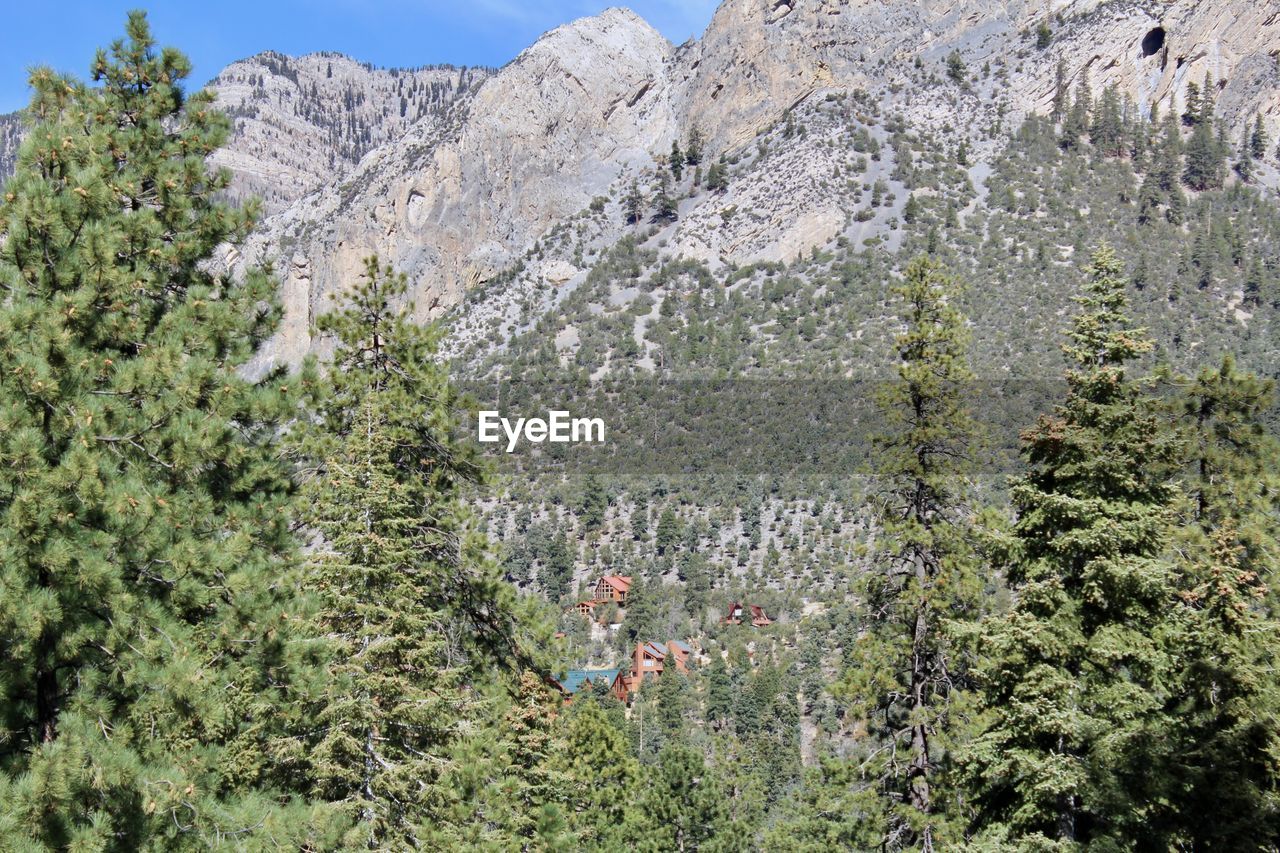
145 552
909 668
1076 671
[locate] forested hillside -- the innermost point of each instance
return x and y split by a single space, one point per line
955 529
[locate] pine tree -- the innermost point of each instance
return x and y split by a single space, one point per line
1107 131
1060 93
719 702
1078 119
681 806
633 204
145 552
1231 473
668 532
1223 788
1258 139
693 147
909 668
1044 35
718 176
1075 674
911 210
664 204
391 699
1191 115
507 788
672 694
1204 159
381 353
596 759
1244 164
677 161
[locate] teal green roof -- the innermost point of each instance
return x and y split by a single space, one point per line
574 679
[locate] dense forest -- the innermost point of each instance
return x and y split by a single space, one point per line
300 610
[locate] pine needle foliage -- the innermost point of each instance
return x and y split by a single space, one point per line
1077 673
385 360
145 546
910 666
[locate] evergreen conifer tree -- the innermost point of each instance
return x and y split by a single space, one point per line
392 700
145 546
681 806
382 355
909 667
1222 786
1258 139
596 759
1076 674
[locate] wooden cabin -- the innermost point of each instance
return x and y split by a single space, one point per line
577 680
737 612
734 616
648 661
613 588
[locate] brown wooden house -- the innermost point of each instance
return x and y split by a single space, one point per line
737 613
613 588
649 660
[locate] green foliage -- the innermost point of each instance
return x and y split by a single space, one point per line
909 670
1044 35
680 806
1075 674
602 774
146 560
392 698
381 354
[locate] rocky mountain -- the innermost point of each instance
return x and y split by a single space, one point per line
463 178
302 123
596 104
10 137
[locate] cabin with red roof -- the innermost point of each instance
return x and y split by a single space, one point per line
737 612
613 588
649 660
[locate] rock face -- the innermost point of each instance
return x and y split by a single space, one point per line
10 137
303 123
452 204
466 191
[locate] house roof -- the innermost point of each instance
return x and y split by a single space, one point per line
575 679
681 646
622 583
655 650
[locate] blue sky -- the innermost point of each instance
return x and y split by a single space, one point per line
384 32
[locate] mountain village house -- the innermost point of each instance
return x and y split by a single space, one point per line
649 660
759 618
609 588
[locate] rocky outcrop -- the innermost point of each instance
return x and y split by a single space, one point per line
302 123
452 204
454 175
596 103
10 138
